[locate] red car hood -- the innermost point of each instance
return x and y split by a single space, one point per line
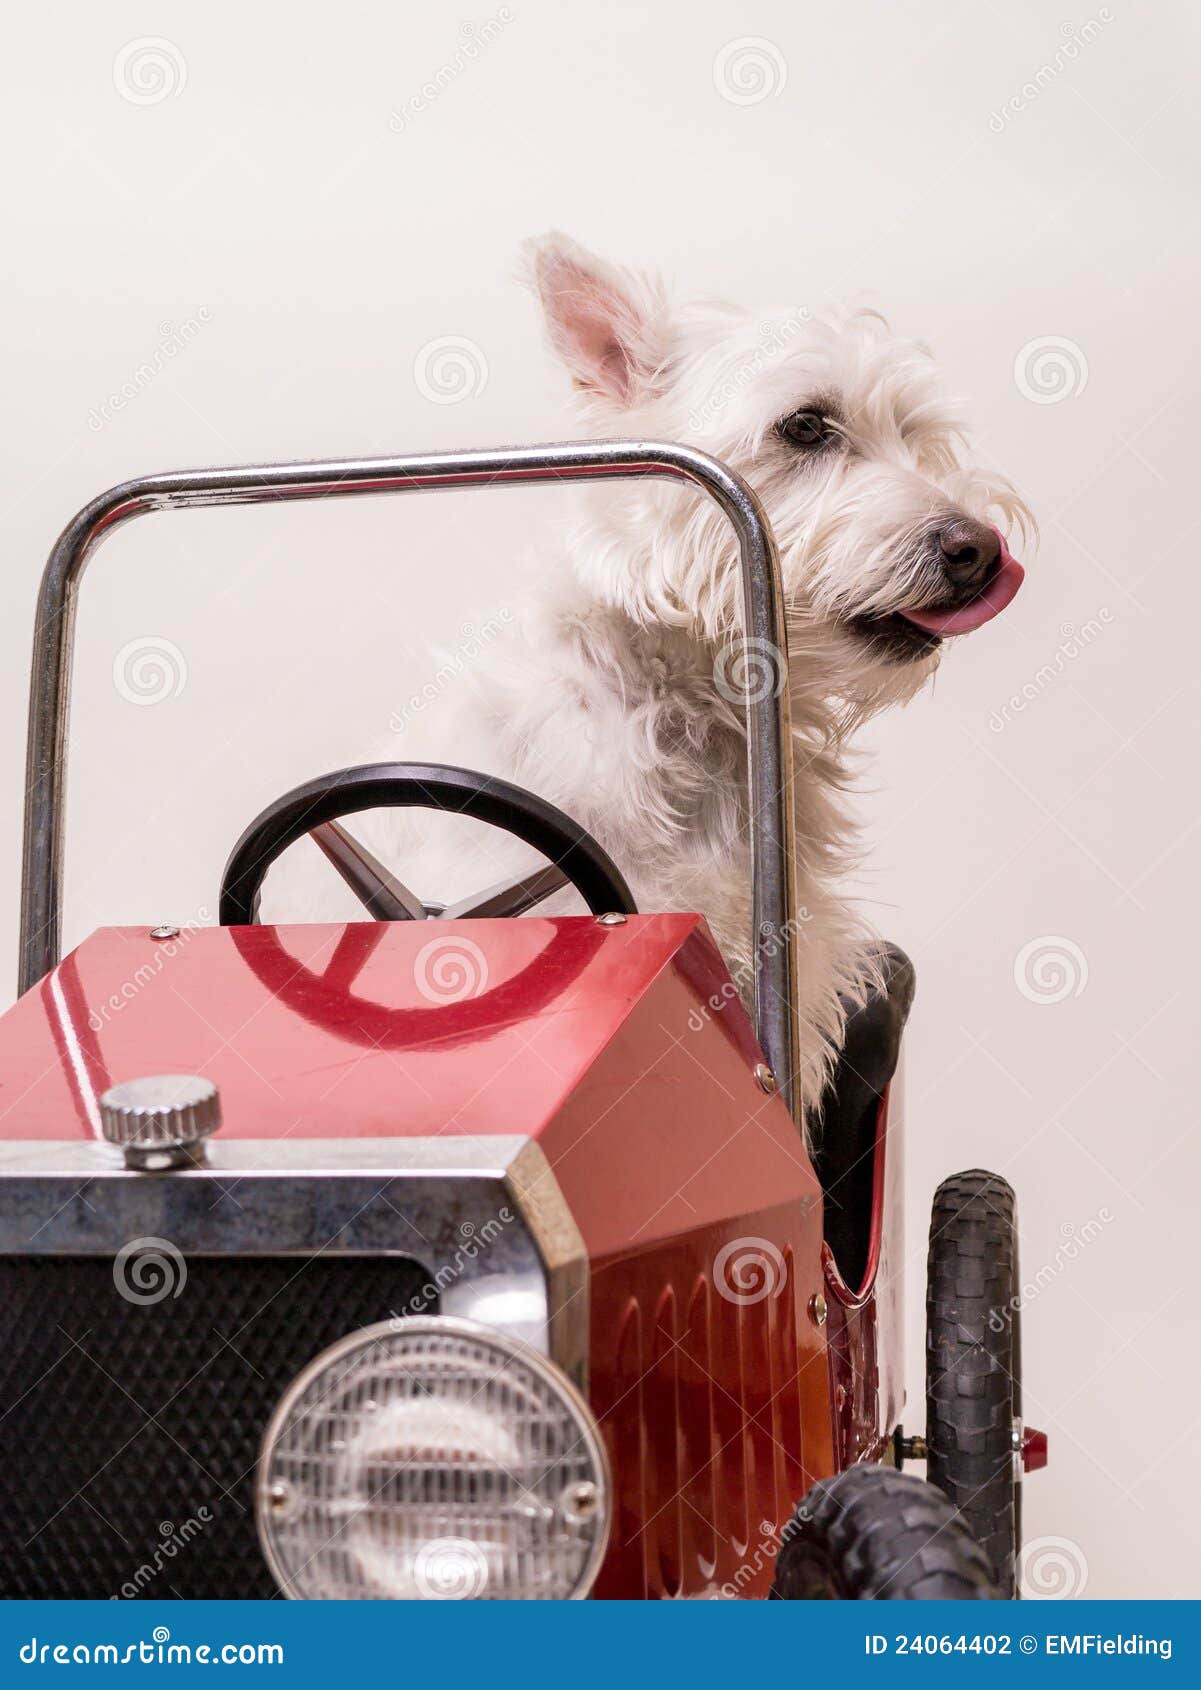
352 1031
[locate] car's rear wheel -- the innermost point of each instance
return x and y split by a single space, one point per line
873 1534
973 1362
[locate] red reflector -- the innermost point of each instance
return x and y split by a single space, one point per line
1034 1450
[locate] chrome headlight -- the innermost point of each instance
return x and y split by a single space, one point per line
432 1458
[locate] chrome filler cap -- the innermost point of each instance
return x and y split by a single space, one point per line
162 1120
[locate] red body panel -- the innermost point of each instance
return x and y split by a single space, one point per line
364 1030
625 1051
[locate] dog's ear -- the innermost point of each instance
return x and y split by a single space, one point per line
600 319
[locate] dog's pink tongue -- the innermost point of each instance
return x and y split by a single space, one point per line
1001 591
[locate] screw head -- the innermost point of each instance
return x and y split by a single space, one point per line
766 1079
612 918
164 932
817 1309
279 1498
579 1502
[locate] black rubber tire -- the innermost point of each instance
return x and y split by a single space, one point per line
973 1361
875 1535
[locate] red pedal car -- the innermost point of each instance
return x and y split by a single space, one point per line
450 1255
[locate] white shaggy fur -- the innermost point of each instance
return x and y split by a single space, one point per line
611 699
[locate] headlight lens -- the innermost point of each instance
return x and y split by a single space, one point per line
432 1458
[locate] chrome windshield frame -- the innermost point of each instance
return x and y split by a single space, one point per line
768 713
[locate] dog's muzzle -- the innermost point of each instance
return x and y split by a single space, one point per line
984 577
980 578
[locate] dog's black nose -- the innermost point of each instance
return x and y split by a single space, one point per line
971 551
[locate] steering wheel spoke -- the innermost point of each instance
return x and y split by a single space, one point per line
382 895
508 897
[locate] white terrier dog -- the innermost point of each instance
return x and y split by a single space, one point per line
615 698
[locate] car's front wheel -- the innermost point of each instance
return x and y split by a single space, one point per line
873 1534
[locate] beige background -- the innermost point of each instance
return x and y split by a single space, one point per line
1016 183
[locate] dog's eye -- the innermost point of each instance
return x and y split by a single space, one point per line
804 428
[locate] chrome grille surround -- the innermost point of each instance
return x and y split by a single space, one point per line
484 1215
484 1218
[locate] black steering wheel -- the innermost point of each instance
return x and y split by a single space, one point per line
575 858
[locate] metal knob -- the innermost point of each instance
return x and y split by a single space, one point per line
162 1120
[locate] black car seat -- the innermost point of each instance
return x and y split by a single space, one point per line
846 1133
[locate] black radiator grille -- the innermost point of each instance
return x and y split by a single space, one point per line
129 1432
